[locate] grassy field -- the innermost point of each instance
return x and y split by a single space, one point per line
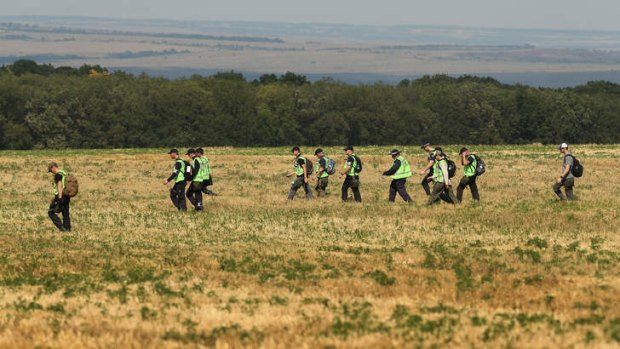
517 270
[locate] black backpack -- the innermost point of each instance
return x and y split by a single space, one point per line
451 168
577 168
309 166
358 164
481 167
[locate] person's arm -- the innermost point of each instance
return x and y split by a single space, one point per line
565 170
446 176
347 166
305 172
465 160
322 166
428 167
197 168
392 169
60 188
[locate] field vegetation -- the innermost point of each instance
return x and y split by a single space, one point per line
519 269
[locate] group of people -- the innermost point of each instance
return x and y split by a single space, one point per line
435 172
197 172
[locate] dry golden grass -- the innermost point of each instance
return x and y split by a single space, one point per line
516 270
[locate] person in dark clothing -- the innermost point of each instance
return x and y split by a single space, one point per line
400 171
469 162
177 193
194 192
60 203
352 179
301 173
429 167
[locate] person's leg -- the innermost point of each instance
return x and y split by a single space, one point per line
345 188
435 193
307 190
190 195
52 214
66 218
557 190
401 187
473 186
355 186
392 195
568 187
182 204
198 197
462 184
426 184
297 183
451 197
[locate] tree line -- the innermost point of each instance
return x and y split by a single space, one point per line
42 106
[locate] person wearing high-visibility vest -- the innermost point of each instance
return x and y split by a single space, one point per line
400 171
207 176
301 175
322 177
469 162
442 187
427 171
352 179
60 203
194 192
177 193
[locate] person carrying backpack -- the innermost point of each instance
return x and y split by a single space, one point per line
321 172
442 185
301 171
400 171
207 176
61 201
194 192
470 166
429 167
351 170
177 193
567 178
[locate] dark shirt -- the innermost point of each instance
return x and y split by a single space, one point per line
195 168
392 169
431 157
175 173
300 162
57 178
322 164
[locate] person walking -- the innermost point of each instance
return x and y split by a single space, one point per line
60 203
352 179
301 172
322 177
177 193
194 192
441 180
427 171
400 171
566 179
207 176
470 163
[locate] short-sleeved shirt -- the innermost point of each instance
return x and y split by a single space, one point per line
322 163
568 161
431 157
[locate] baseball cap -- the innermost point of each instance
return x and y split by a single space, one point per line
200 151
424 145
318 150
463 150
348 147
394 152
190 151
295 148
563 146
173 150
50 165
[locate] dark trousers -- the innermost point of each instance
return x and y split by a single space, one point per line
177 195
321 185
471 182
399 186
60 206
441 193
425 183
354 184
194 195
568 185
299 183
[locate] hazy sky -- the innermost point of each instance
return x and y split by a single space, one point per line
564 14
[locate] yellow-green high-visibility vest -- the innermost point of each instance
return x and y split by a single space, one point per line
470 170
351 171
299 171
63 174
204 166
181 174
317 167
404 171
437 172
